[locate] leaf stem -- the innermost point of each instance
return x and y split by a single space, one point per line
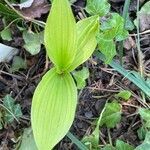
109 136
140 55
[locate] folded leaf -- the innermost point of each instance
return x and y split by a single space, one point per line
86 33
53 108
60 34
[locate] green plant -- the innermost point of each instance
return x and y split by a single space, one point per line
68 45
111 30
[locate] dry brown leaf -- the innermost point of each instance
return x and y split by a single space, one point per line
129 43
38 8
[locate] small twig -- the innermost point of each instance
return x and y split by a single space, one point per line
102 139
133 121
100 89
20 92
109 136
46 63
12 75
140 55
142 33
126 104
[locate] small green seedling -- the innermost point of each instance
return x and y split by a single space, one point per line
68 44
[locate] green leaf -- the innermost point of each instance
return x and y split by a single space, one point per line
13 111
148 81
142 132
92 141
4 10
111 115
18 63
129 25
113 27
144 14
80 77
145 115
125 94
120 145
146 144
122 34
98 7
6 34
28 142
87 30
76 141
107 47
145 8
108 147
60 35
111 30
53 108
32 41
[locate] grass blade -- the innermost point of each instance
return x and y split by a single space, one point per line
74 140
140 83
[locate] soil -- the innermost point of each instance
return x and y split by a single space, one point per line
102 84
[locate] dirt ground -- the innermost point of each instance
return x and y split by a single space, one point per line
102 84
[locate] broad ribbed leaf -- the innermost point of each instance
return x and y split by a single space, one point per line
60 34
86 42
53 108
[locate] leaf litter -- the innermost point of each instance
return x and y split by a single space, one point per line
92 98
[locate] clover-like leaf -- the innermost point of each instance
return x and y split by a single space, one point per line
13 110
111 115
124 94
107 47
60 35
145 115
146 144
120 145
113 27
80 77
87 30
53 108
97 7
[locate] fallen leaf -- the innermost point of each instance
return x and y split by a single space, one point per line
38 8
129 43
